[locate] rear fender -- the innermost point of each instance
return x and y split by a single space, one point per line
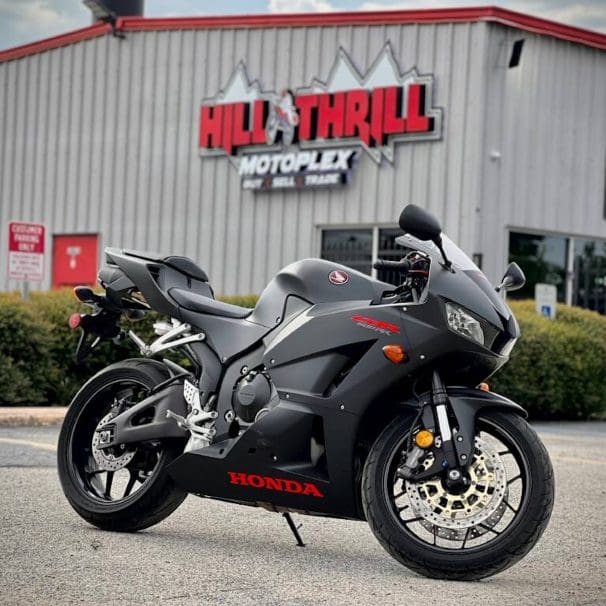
466 404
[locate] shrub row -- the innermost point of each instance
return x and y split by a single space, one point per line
557 370
37 364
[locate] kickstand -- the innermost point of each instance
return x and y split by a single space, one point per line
294 528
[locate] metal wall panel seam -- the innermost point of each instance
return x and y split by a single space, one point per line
79 141
142 211
470 152
181 147
193 155
207 193
122 137
29 164
133 153
103 181
212 85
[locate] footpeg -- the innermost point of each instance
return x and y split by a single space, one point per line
181 421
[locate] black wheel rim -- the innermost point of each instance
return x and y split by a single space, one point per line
441 538
112 487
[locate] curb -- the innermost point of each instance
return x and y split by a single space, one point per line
31 416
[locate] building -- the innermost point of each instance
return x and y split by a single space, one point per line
249 142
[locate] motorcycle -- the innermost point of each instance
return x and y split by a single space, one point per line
337 395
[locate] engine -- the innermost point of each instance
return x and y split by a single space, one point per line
253 395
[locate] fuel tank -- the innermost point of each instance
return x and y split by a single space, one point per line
314 281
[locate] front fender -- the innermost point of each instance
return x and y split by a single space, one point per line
466 404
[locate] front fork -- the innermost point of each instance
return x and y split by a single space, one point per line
453 452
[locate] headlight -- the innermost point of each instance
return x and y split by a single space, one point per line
464 323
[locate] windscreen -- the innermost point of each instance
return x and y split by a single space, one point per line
453 252
460 261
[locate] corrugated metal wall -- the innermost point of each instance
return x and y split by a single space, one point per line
101 136
547 120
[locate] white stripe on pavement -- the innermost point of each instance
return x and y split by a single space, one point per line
40 445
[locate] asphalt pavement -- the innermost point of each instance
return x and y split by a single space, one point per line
209 552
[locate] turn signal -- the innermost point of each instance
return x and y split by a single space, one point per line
424 439
394 353
484 387
74 320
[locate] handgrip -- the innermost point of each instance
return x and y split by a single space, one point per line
403 266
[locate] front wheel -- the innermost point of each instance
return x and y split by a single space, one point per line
480 530
125 488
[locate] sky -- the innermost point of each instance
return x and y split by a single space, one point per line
23 21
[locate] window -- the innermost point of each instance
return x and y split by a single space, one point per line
576 266
351 247
543 260
589 274
360 248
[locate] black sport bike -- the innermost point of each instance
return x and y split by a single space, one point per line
337 395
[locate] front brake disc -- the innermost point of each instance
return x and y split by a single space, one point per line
473 512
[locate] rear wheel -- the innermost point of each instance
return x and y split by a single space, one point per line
124 488
477 531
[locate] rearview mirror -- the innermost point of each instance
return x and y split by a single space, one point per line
513 279
420 224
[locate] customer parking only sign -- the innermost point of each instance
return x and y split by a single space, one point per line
26 251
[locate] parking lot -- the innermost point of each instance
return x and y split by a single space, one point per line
214 553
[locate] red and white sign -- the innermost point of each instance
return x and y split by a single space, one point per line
75 259
26 251
312 135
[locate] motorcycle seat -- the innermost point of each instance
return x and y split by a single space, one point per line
204 305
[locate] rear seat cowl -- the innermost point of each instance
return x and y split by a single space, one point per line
186 266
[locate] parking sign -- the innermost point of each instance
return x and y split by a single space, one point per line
26 251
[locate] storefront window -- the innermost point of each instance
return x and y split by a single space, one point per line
542 258
589 274
351 247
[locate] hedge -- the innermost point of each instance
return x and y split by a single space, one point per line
557 370
37 364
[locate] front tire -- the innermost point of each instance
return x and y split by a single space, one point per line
144 494
494 546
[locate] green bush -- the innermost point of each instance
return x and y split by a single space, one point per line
37 364
558 368
26 370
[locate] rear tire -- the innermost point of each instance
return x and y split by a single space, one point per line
460 564
157 496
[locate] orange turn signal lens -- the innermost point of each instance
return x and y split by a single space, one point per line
395 353
484 386
424 439
74 320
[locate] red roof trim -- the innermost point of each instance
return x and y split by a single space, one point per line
451 15
92 31
432 15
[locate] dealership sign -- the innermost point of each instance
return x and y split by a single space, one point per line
311 136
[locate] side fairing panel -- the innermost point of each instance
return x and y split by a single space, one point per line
337 336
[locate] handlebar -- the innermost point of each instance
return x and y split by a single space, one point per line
402 266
